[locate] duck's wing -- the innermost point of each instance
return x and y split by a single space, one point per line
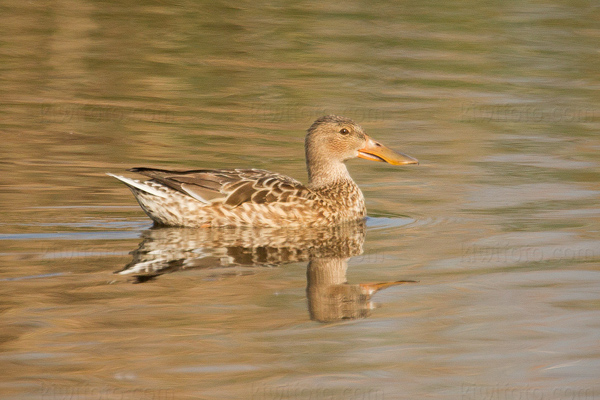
231 187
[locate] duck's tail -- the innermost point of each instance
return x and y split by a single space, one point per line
138 185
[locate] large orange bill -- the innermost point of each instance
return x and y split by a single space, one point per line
375 151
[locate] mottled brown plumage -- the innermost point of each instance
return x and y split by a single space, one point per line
202 198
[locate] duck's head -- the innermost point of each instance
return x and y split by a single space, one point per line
336 139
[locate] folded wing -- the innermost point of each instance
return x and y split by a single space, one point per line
229 187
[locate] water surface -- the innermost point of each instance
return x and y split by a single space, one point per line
498 224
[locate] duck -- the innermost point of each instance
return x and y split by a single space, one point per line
205 198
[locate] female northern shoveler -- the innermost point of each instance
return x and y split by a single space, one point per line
220 197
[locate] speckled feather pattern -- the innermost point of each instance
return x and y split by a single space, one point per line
267 199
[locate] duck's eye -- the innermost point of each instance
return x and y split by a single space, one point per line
344 131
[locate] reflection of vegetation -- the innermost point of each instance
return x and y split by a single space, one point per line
239 251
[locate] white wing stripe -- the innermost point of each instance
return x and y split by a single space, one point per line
139 185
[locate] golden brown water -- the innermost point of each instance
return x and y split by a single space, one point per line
498 224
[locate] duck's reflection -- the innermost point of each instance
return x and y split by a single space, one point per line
238 251
331 297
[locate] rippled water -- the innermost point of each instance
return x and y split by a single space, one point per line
498 225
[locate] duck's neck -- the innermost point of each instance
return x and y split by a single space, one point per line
324 173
